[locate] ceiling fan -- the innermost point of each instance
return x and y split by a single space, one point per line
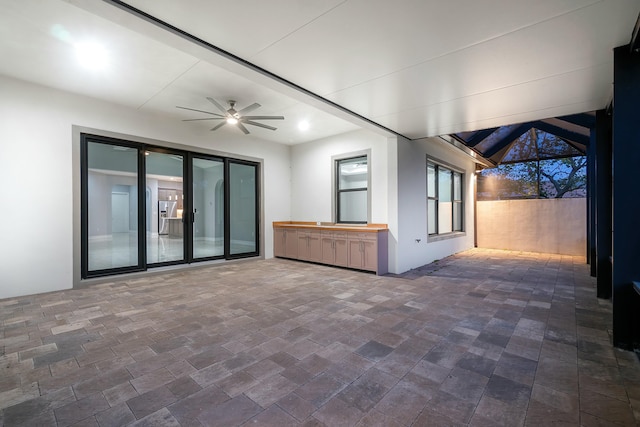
232 116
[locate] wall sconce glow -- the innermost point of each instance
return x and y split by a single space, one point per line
303 125
92 55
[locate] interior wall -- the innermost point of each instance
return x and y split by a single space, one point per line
413 247
311 169
556 226
36 164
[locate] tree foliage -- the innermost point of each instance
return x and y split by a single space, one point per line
554 178
540 165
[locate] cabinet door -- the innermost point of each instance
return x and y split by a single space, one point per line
355 253
291 243
341 251
370 255
303 245
314 247
328 254
278 242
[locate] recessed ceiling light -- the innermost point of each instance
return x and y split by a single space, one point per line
303 125
92 55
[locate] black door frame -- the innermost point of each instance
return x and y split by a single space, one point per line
188 214
227 209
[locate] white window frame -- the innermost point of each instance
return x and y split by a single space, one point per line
335 182
435 235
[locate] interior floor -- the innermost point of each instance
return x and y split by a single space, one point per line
481 338
121 250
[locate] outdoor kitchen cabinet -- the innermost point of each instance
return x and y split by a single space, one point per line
357 247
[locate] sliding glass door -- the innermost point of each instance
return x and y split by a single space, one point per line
164 183
145 206
110 204
208 207
242 203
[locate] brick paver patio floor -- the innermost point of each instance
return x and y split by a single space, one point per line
481 338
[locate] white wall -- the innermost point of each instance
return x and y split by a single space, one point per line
557 226
311 169
398 191
36 168
412 204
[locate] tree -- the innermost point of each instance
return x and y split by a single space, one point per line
547 179
538 164
565 175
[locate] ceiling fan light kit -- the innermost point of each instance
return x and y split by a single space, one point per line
233 117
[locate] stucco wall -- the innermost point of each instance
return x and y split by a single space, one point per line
555 226
413 246
312 166
37 164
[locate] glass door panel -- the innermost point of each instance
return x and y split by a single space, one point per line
208 207
136 214
165 232
111 182
242 207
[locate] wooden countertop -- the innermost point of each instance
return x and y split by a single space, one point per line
365 228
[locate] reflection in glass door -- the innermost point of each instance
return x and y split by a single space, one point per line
242 209
136 214
208 203
110 208
164 178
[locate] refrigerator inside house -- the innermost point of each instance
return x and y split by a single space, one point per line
166 209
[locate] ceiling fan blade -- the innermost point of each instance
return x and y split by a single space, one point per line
263 117
249 122
243 128
219 125
208 118
214 102
200 111
249 108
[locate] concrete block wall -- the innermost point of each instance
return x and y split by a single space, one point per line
555 226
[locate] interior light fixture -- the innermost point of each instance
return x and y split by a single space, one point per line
232 120
92 55
303 125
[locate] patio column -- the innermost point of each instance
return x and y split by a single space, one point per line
592 197
626 197
602 142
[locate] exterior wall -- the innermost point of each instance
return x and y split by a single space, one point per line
37 167
311 180
555 226
412 204
39 164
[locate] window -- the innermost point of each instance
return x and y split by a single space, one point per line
444 200
352 190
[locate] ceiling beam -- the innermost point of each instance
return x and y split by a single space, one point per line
480 136
562 133
507 139
585 120
575 145
460 145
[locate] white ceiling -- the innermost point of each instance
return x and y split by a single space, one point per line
419 68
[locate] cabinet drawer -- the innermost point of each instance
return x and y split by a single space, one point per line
363 236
